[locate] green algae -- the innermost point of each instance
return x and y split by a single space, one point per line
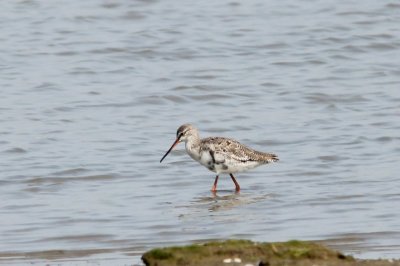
160 254
214 253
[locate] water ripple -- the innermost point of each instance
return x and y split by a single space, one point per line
93 92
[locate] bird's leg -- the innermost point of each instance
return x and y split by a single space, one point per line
236 183
214 187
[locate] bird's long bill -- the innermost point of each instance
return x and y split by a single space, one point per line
170 149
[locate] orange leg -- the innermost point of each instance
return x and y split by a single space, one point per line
236 183
214 187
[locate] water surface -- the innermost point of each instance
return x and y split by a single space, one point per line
92 94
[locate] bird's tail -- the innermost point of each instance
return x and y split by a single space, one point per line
270 157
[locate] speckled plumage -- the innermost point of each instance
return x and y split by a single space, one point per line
234 151
220 155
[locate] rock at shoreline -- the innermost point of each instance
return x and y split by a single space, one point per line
247 253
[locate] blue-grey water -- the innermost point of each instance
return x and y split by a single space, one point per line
92 93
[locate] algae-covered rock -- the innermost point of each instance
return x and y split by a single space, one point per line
244 252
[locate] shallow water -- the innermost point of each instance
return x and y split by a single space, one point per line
93 92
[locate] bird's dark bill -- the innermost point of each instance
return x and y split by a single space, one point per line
170 149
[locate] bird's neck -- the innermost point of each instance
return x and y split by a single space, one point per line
192 144
193 140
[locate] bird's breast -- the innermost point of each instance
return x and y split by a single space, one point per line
213 162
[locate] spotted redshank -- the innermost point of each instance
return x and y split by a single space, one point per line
220 155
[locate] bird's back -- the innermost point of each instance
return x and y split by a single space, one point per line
233 150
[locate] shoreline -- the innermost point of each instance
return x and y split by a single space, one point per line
132 255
